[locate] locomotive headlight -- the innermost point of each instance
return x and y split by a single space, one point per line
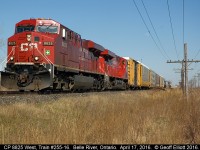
28 37
11 58
36 58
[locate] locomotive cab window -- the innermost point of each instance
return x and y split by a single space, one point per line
47 28
20 29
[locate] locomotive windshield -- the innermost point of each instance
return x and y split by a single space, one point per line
24 28
47 28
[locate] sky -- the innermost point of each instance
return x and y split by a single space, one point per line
118 26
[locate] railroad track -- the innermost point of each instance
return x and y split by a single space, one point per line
11 97
8 93
11 92
68 92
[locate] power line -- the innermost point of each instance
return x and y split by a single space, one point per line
154 29
148 28
172 29
184 76
183 22
195 56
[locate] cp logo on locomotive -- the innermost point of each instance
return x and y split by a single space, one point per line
26 46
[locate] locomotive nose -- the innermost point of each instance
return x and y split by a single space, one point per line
26 48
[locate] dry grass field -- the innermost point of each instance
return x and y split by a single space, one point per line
104 118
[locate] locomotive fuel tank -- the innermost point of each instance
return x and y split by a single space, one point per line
83 82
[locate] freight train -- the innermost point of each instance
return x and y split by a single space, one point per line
46 55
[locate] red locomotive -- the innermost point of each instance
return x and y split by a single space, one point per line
44 54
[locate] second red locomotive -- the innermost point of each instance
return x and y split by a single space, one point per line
44 54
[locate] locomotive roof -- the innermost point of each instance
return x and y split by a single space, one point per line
34 20
127 58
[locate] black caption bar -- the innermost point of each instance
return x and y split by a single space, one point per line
98 147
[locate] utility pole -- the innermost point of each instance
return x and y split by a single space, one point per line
184 70
195 82
182 77
181 71
198 79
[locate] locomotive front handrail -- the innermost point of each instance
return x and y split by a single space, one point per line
8 56
49 61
